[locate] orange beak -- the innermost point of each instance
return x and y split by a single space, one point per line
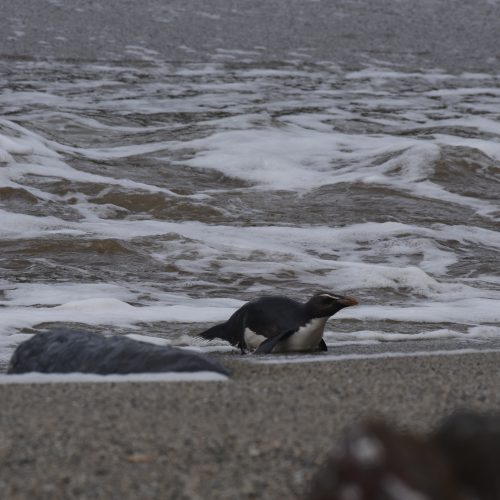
348 301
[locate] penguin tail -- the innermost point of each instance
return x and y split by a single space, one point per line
230 331
217 331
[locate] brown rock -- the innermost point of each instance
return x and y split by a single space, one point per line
471 443
373 461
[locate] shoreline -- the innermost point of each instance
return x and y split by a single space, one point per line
261 434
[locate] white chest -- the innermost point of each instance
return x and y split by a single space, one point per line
306 338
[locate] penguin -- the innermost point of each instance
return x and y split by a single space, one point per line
279 324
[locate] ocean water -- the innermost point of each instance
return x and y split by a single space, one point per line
152 200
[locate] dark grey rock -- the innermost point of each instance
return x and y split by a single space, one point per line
63 351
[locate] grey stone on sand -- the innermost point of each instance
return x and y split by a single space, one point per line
68 351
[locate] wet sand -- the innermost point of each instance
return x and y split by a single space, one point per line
260 435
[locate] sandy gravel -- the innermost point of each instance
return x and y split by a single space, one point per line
260 435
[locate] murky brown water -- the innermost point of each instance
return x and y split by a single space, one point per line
165 186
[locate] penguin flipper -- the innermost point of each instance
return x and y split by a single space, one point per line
322 345
268 345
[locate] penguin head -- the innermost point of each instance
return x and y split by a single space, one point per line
325 304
